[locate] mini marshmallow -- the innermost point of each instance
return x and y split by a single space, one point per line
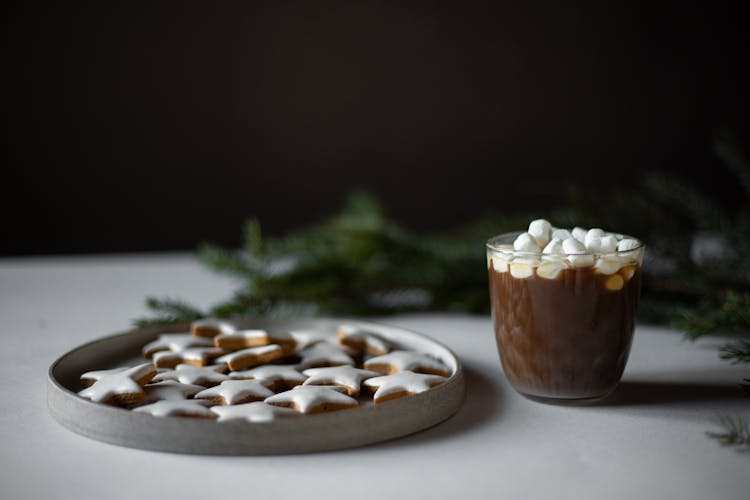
608 265
593 236
550 269
614 283
554 247
526 243
600 244
561 234
522 267
540 230
579 233
576 253
627 244
500 262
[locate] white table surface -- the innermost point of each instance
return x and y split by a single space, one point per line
648 442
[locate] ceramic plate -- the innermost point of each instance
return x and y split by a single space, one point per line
367 424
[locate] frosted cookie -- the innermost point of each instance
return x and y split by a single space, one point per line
89 378
196 356
210 327
175 342
275 377
362 341
404 383
314 399
122 387
253 356
323 354
232 392
184 408
242 339
253 412
398 361
348 377
306 338
207 376
170 390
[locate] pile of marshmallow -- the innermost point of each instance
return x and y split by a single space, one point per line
547 251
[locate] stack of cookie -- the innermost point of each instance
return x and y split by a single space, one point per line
218 371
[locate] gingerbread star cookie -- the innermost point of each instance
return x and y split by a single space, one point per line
241 339
348 377
362 340
253 356
210 327
121 387
232 392
175 342
170 390
397 361
404 383
275 377
196 356
323 354
314 399
253 412
89 378
180 408
207 376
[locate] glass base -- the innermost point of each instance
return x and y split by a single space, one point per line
584 401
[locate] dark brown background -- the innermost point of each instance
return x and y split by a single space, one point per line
157 125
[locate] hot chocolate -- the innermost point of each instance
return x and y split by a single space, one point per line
564 316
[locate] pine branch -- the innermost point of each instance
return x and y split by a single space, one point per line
168 311
735 431
735 353
727 313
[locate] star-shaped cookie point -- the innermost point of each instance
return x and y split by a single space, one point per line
348 377
170 390
253 356
253 412
362 341
314 399
122 387
401 384
196 356
275 377
207 376
179 408
210 327
175 342
397 361
241 339
323 354
232 392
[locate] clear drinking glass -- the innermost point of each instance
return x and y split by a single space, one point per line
563 323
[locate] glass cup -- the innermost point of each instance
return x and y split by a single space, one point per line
563 323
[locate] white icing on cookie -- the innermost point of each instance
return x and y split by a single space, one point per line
363 340
314 399
398 361
179 408
232 392
210 327
175 342
253 412
404 383
241 339
306 338
170 390
123 387
89 378
348 377
206 376
252 356
323 354
196 356
275 377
